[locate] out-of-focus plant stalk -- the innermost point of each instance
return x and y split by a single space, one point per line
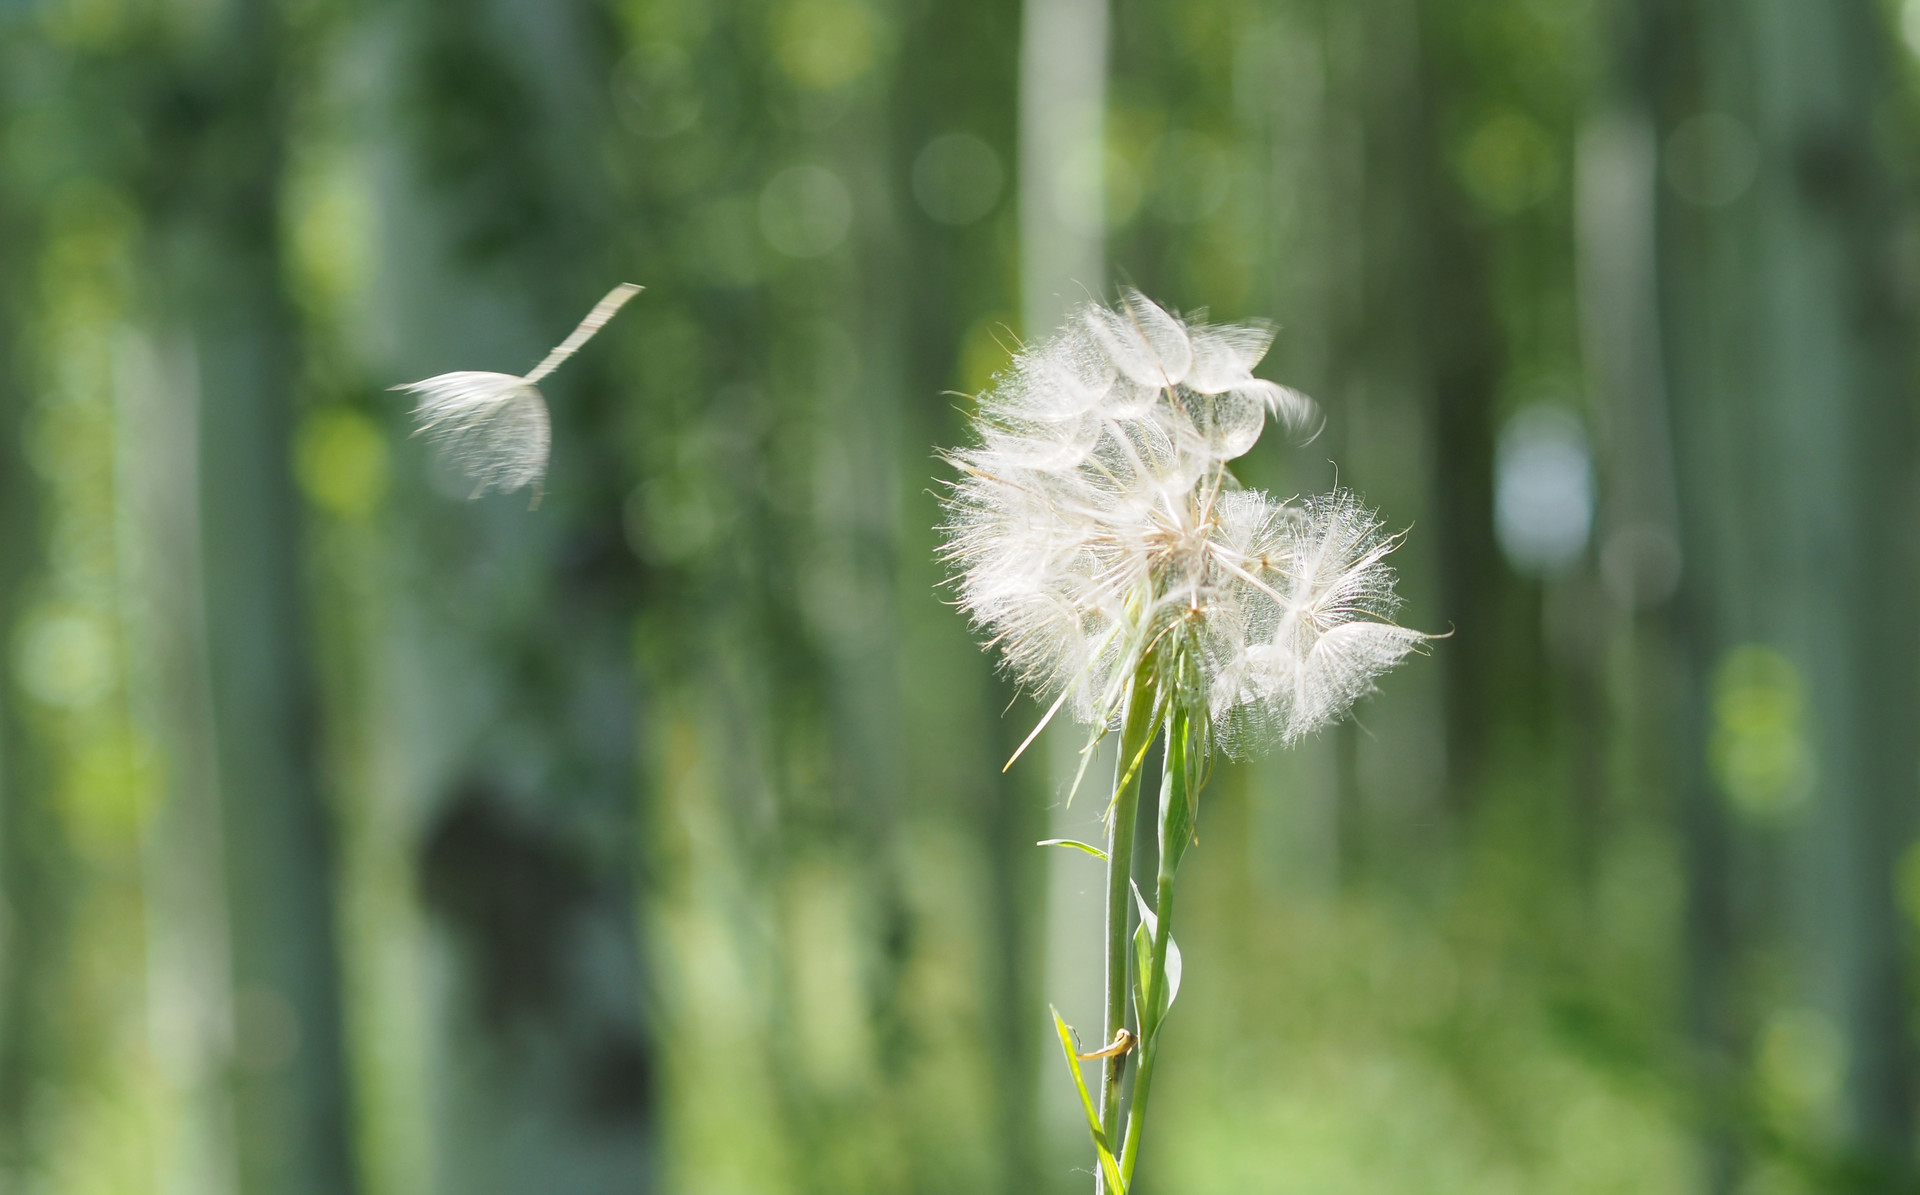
1136 734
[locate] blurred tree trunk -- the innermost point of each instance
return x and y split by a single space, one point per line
1470 365
1464 357
839 936
1788 349
484 683
1412 348
1064 66
31 907
213 190
165 361
958 74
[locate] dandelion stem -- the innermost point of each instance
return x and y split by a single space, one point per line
1135 735
1150 1045
1176 828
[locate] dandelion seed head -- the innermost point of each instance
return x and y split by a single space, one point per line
494 427
1095 529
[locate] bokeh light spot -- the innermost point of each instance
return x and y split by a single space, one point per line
64 658
333 231
1759 750
341 461
1801 1063
957 178
111 791
825 44
1711 159
668 521
1192 177
1543 490
1509 164
805 211
656 91
85 24
1095 189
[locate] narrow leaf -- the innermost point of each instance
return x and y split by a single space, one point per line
1108 1167
1147 917
1142 980
1076 844
1151 924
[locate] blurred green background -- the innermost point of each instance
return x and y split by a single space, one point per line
358 838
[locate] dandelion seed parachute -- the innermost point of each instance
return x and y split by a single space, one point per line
494 426
1095 530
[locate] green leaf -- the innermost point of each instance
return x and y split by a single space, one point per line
1108 1167
1142 979
1076 844
1177 794
1143 957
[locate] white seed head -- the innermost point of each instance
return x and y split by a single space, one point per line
494 427
1095 530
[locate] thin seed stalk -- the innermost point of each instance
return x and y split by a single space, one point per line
1176 829
1136 733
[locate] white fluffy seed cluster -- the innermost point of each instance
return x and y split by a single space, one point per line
1095 530
494 427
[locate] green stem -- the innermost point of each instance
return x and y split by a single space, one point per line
1176 828
1135 734
1150 1049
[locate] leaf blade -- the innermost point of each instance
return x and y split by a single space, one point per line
1108 1167
1076 844
1150 923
